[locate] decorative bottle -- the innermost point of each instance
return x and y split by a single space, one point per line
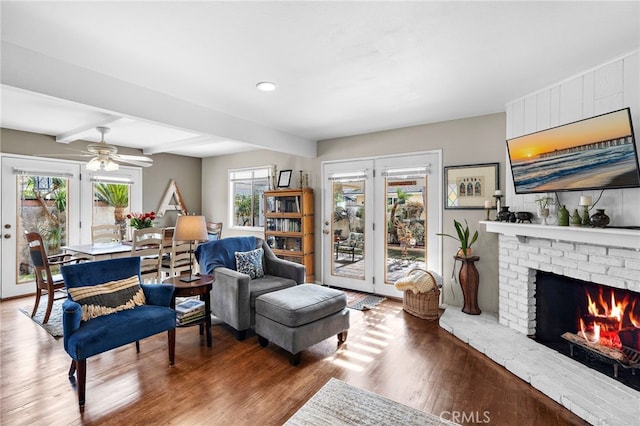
563 216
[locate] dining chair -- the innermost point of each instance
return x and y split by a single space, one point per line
109 233
214 229
178 258
147 245
45 280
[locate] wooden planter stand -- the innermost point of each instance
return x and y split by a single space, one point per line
469 281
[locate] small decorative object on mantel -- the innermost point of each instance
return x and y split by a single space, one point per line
599 219
497 195
563 216
585 202
575 219
487 206
503 214
523 217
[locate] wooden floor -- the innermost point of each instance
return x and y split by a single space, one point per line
388 352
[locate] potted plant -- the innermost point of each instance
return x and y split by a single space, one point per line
464 237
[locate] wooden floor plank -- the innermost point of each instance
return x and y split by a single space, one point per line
401 357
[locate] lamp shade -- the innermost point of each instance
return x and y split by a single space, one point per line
585 200
190 228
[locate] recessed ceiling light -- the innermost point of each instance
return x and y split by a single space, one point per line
266 86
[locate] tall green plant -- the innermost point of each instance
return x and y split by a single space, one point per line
464 235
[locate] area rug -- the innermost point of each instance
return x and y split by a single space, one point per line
338 403
365 303
54 325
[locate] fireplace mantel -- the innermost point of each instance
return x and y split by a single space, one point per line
610 237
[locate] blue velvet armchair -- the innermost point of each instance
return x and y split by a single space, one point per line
83 339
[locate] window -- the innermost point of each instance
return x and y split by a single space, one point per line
246 189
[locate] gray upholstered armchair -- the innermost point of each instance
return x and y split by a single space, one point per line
234 293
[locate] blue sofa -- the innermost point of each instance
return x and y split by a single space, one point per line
83 339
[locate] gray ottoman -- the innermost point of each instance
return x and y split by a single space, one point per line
301 316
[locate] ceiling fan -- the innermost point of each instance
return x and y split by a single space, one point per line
106 157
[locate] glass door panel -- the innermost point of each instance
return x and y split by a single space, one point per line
42 207
405 247
111 205
348 228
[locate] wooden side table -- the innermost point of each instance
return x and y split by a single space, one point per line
201 287
469 281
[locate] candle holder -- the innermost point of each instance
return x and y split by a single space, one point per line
498 198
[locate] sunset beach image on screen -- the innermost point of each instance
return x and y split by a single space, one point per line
595 153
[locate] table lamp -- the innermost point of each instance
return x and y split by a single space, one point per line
585 202
190 228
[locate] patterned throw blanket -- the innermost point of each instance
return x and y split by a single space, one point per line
221 253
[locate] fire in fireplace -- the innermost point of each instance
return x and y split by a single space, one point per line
595 324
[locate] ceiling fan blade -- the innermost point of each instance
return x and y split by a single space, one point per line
134 163
125 157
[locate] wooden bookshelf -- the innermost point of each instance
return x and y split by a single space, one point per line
288 227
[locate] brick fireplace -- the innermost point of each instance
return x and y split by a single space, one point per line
604 256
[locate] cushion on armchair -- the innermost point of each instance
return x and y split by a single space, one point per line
250 263
107 298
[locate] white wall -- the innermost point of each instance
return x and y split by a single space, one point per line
608 87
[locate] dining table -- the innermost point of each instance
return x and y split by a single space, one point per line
99 251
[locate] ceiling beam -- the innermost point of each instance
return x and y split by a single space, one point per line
80 132
29 70
176 145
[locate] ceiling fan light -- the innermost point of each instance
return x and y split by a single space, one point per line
110 166
93 164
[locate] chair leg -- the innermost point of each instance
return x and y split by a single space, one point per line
50 297
172 345
137 346
35 307
72 369
81 364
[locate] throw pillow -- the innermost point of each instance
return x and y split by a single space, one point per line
250 263
107 298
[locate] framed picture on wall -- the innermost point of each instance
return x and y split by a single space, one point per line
468 186
284 179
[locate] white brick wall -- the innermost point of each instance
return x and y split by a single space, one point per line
519 260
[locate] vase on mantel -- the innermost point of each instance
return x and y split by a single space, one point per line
599 219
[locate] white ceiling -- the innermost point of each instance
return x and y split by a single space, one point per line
180 76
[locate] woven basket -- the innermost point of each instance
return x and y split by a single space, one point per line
423 305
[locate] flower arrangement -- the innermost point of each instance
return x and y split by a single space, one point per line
141 220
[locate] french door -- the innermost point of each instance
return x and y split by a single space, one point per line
37 196
380 219
48 196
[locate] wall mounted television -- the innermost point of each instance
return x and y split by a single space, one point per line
595 153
